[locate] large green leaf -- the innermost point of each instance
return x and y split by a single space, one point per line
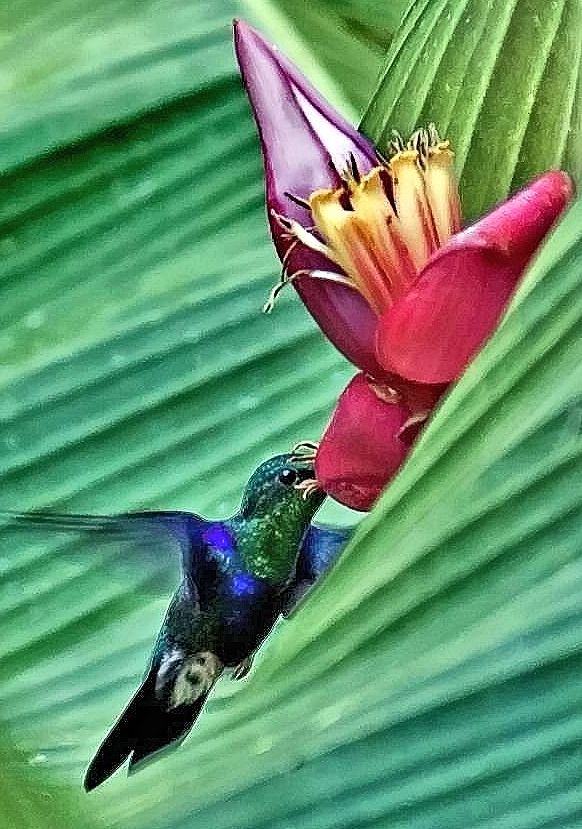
498 78
73 69
434 678
31 800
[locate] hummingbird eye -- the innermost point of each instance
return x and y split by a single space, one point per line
288 477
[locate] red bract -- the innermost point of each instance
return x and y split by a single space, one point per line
375 249
355 459
431 333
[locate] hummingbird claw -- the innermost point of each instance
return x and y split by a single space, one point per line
304 451
308 487
242 669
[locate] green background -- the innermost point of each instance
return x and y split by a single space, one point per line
434 679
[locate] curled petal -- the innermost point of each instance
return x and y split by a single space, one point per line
363 446
517 226
432 333
305 142
346 319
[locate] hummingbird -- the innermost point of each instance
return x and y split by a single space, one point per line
238 576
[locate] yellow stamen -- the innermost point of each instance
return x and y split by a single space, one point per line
412 206
381 228
303 235
348 234
442 192
385 230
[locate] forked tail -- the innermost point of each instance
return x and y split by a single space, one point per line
161 712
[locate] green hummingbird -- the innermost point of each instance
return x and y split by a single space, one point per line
237 577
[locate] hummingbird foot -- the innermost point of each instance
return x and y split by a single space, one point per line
306 451
242 669
308 487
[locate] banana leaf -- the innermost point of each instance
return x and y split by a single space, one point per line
434 677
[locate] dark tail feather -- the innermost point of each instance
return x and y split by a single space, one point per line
122 738
144 728
165 728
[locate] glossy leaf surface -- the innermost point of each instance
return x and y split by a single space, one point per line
434 679
501 80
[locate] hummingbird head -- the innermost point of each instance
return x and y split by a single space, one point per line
284 488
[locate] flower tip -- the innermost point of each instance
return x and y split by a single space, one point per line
242 29
559 182
266 75
290 113
246 36
247 43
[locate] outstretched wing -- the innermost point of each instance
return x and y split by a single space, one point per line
146 552
155 548
321 547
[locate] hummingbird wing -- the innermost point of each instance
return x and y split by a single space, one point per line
321 547
155 547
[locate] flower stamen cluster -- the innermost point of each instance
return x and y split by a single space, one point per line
380 228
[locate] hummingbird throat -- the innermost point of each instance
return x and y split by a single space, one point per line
269 545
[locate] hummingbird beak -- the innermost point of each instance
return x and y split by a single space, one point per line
305 452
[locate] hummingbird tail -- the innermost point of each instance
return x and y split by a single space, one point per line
161 713
122 738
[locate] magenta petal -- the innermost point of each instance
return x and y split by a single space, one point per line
362 447
431 334
346 319
304 141
300 132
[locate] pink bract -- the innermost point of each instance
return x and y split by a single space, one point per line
363 444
